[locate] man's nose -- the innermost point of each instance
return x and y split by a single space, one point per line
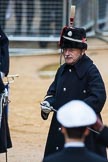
67 52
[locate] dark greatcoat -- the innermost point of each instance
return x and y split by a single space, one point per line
103 136
74 154
81 81
4 56
5 140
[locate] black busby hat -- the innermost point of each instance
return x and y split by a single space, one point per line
73 38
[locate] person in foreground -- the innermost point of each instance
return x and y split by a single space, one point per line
75 121
5 138
78 78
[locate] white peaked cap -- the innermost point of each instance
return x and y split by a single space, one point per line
76 113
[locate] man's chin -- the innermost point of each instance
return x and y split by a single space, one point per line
69 62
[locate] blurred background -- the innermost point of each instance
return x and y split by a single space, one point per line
41 21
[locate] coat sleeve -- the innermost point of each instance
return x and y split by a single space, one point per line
4 52
50 96
103 136
96 94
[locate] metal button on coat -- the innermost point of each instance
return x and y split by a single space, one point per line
84 91
64 89
59 129
57 148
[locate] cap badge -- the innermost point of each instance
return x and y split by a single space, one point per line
69 33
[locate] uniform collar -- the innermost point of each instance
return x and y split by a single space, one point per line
74 144
81 66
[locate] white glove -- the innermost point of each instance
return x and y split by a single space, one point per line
45 107
6 92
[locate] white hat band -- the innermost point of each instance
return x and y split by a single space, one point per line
75 40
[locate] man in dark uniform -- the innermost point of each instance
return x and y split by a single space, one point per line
75 129
4 56
77 78
5 140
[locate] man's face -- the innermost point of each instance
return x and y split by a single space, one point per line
72 55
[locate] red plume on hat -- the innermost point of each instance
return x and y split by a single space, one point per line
71 24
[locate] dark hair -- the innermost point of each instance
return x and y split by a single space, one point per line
75 132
